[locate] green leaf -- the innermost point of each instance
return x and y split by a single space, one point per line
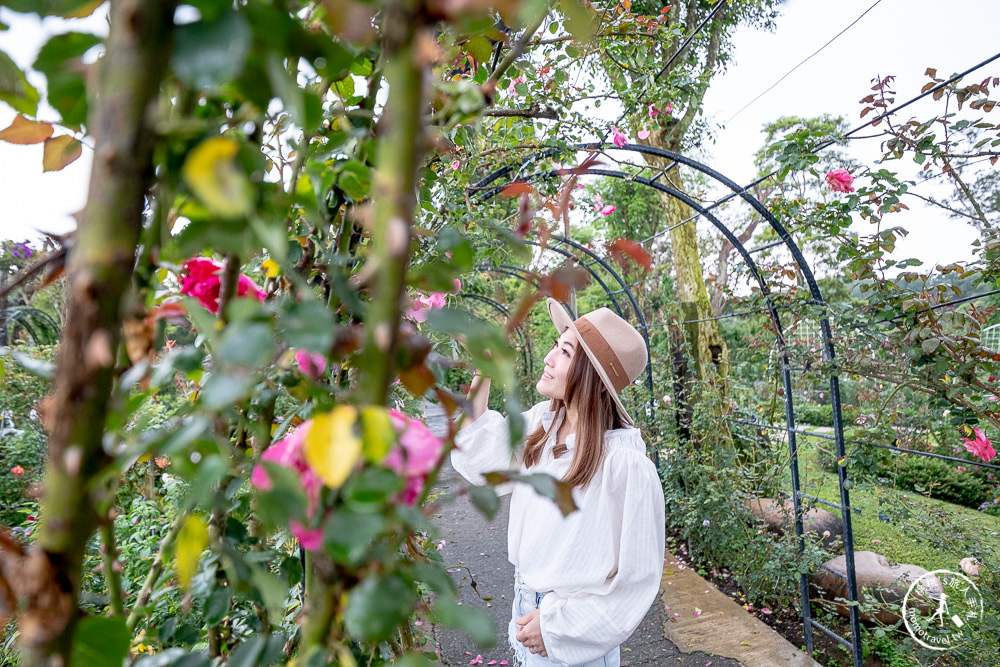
100 642
544 485
348 535
370 490
172 656
579 20
485 342
223 390
485 499
65 8
15 89
474 622
355 179
249 344
60 48
480 48
257 651
308 324
217 606
208 54
378 606
59 60
67 94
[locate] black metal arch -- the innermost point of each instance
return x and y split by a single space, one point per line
486 190
526 350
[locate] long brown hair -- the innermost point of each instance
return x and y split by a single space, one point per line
597 414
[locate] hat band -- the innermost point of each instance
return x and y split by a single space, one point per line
606 357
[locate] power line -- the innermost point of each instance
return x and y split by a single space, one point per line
873 121
816 52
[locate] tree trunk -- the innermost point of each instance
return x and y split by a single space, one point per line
101 266
710 357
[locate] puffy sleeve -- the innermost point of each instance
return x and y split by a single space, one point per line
587 624
484 445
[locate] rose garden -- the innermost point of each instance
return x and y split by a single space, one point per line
308 225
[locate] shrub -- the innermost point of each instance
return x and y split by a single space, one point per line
822 415
22 464
943 480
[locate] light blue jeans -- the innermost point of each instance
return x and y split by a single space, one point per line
525 601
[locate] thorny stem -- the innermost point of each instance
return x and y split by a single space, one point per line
155 571
518 49
112 576
393 191
101 265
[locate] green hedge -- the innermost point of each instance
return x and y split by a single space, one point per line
822 415
943 480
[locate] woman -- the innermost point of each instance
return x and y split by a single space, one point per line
582 582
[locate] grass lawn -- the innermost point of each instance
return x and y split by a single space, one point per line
912 529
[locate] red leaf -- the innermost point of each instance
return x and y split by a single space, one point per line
168 311
23 131
525 216
517 188
638 254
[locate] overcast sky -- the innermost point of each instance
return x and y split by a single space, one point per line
900 37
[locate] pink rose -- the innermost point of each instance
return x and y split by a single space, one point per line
288 453
17 471
512 87
423 304
202 282
669 109
980 446
311 364
619 139
311 539
414 456
652 111
607 210
643 133
435 300
840 180
418 449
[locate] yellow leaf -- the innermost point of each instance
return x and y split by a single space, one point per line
85 10
59 152
377 433
212 173
23 131
191 541
331 448
271 268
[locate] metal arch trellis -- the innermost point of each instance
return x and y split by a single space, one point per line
525 343
486 191
521 274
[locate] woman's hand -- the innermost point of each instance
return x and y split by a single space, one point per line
529 633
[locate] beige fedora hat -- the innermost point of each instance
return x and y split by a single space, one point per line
615 348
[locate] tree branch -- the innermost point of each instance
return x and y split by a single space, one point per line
529 112
136 54
517 50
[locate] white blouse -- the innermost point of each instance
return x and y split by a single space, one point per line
603 563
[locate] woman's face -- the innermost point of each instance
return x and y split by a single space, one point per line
552 384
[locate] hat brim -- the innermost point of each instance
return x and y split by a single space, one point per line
562 321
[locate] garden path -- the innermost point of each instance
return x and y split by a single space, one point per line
723 634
